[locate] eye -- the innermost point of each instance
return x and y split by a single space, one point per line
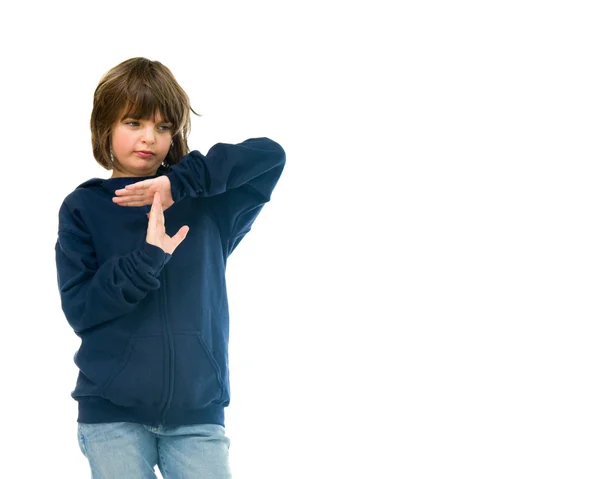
133 123
164 128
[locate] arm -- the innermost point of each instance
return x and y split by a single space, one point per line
92 294
240 178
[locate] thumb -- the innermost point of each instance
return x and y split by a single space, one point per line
180 235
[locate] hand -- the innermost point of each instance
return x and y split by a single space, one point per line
142 193
156 234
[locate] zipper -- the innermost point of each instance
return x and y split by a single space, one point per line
170 357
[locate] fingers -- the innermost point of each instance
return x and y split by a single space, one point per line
157 206
140 185
156 227
132 198
136 194
156 215
127 202
133 194
135 190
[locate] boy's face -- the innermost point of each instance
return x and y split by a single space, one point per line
139 146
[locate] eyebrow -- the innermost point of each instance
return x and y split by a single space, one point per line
137 117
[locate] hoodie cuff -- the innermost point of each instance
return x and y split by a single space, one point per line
154 257
177 189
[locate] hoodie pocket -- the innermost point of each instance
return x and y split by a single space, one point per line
138 381
198 381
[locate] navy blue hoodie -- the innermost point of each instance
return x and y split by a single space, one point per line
154 327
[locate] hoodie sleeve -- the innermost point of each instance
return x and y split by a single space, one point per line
240 179
92 294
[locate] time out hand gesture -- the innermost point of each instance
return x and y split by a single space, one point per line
156 234
142 193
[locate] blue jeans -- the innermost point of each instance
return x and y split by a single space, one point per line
124 450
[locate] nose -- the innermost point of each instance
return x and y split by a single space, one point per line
148 135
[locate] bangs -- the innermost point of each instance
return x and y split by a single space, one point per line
144 97
143 104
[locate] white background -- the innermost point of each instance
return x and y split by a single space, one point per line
420 298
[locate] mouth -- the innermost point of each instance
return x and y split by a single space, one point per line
144 154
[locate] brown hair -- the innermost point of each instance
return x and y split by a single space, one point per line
138 88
